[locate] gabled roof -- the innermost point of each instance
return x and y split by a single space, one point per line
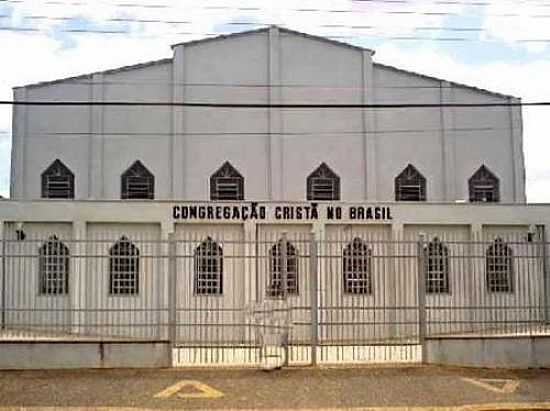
266 29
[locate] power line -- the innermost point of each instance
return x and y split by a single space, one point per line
265 106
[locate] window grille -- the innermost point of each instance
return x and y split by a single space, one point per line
357 268
124 268
410 185
499 268
57 181
323 184
226 184
208 268
54 267
137 183
483 186
437 264
275 288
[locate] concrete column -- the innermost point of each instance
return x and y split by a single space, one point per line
177 157
449 188
3 279
475 281
167 287
77 278
96 178
19 135
369 129
275 139
518 160
395 296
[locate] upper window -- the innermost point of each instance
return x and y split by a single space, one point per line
57 181
357 268
323 184
227 184
124 268
484 186
499 267
137 183
208 268
410 185
275 288
437 265
53 267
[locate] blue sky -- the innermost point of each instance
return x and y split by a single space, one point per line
500 47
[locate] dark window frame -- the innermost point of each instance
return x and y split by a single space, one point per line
137 183
227 184
208 264
436 255
484 186
53 267
124 268
57 181
323 184
410 185
499 267
357 268
274 288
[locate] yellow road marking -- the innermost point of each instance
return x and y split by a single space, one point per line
205 391
500 386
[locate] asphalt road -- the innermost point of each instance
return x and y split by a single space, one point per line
414 386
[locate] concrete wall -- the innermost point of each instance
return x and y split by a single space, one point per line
274 149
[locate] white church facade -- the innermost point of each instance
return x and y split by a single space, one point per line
377 225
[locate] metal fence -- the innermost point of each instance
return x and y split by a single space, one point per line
222 297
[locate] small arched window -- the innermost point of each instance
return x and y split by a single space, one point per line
499 267
208 268
323 184
137 183
437 267
484 186
53 267
275 287
357 268
410 185
227 184
124 268
57 181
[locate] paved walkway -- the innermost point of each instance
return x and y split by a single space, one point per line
399 388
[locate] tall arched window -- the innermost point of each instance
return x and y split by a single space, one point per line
208 268
323 184
499 267
53 267
357 268
437 267
226 184
137 183
410 185
124 268
57 181
484 186
275 287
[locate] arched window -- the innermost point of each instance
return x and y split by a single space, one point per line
499 267
410 185
226 184
275 287
323 184
57 181
484 186
437 267
357 268
53 267
208 268
124 268
137 183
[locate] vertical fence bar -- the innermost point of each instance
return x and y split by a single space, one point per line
313 290
172 290
3 279
545 273
421 288
284 287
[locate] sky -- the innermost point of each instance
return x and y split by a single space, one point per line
500 45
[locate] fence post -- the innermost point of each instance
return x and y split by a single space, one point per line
421 284
2 232
284 289
545 273
313 285
172 290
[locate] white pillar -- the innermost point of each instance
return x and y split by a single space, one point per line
518 160
369 129
177 157
275 139
18 184
449 189
96 178
77 278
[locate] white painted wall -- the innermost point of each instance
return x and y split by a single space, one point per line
274 149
